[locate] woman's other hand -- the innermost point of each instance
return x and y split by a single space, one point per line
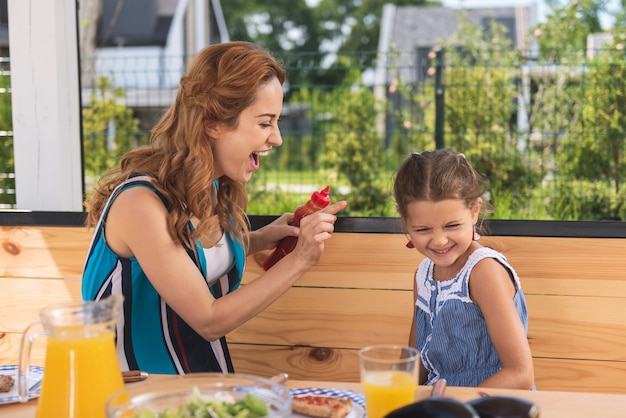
268 236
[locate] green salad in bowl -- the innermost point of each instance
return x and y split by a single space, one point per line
224 406
202 395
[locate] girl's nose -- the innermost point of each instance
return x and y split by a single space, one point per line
440 239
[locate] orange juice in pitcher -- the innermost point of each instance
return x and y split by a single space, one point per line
81 368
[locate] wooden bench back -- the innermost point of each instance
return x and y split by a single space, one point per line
361 293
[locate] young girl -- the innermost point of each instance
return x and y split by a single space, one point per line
470 321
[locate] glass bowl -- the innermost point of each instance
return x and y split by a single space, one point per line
176 391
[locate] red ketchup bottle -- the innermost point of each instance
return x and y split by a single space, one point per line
319 200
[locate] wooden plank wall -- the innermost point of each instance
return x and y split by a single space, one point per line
361 293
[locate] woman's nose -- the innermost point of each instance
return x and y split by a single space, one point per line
276 138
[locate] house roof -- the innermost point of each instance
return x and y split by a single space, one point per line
427 26
148 22
135 23
413 28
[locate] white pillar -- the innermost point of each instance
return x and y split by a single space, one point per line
201 24
46 108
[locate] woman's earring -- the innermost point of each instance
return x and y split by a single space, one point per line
410 244
475 236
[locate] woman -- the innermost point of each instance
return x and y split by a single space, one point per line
171 231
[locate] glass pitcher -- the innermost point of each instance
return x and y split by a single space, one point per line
81 368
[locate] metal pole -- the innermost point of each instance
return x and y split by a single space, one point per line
80 102
439 100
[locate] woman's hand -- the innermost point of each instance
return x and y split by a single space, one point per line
267 237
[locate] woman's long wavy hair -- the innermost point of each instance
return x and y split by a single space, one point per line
220 83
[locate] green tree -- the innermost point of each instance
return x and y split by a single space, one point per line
567 27
553 105
278 25
314 40
109 128
481 69
356 23
481 75
412 114
353 148
594 150
620 15
287 28
579 113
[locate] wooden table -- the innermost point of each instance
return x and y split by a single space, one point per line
552 404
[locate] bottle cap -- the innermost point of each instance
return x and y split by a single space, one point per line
320 197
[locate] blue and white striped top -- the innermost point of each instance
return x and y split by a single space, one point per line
451 332
150 335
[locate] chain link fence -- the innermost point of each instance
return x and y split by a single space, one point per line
549 135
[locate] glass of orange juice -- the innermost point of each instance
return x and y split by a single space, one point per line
389 375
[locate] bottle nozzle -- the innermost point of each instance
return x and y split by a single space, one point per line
320 197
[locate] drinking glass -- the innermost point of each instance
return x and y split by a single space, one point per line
389 375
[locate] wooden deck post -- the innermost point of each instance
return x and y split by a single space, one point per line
46 104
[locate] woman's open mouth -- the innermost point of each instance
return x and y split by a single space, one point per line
254 158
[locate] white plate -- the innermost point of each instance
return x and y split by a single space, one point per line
358 400
34 383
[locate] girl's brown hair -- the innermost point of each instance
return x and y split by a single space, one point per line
220 83
437 175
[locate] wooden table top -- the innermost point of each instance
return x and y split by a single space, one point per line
551 404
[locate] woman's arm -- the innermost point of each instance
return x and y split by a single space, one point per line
137 227
492 290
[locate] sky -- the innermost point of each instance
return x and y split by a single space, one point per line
541 6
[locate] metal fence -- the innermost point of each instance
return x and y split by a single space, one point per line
549 135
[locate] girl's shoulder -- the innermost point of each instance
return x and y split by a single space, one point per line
487 259
481 253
